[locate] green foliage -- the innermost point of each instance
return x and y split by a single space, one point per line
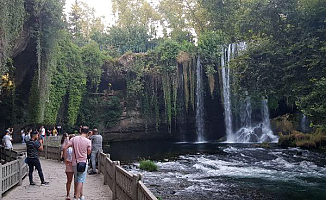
12 18
312 104
284 59
130 38
34 104
93 61
100 112
148 165
77 85
59 80
210 49
167 54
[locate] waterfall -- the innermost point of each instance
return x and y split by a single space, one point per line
259 133
226 92
200 124
304 124
249 132
267 133
245 112
246 133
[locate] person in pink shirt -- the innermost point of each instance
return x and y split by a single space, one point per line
81 148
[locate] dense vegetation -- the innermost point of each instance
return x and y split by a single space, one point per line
284 61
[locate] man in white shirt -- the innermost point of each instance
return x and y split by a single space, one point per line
6 140
42 129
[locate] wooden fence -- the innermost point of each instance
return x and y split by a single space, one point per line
53 140
124 185
50 152
12 171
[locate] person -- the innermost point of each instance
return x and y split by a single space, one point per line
96 149
89 134
22 132
64 142
28 135
54 132
69 169
6 140
33 145
81 148
49 132
42 130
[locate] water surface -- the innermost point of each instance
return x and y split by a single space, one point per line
226 171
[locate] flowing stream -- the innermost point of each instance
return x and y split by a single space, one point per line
226 171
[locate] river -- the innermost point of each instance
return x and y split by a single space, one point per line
207 171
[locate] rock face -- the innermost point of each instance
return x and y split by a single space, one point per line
133 126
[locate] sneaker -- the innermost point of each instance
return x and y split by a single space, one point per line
32 183
82 198
45 183
92 172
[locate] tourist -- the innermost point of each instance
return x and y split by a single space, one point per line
33 145
54 132
22 132
6 140
64 142
69 169
81 148
28 135
42 130
89 134
96 149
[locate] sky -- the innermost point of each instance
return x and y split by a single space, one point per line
102 8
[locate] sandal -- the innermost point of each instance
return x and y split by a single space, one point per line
67 198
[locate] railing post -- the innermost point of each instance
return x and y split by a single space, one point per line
45 149
0 181
114 189
105 171
99 161
20 164
59 152
135 180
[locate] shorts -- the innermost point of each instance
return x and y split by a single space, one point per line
79 177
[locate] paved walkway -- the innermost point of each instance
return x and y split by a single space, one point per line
56 190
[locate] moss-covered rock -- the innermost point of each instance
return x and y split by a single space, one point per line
306 141
282 125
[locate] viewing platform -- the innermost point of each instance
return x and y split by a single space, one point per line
111 183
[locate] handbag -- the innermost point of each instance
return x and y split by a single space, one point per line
81 166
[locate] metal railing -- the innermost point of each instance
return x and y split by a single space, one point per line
12 169
124 185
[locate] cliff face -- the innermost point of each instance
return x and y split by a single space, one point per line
134 124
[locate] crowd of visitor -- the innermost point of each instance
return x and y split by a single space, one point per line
78 152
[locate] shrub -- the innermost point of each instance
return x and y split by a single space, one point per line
306 144
148 165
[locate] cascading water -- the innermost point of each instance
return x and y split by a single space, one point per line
261 132
267 133
304 124
226 92
200 126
